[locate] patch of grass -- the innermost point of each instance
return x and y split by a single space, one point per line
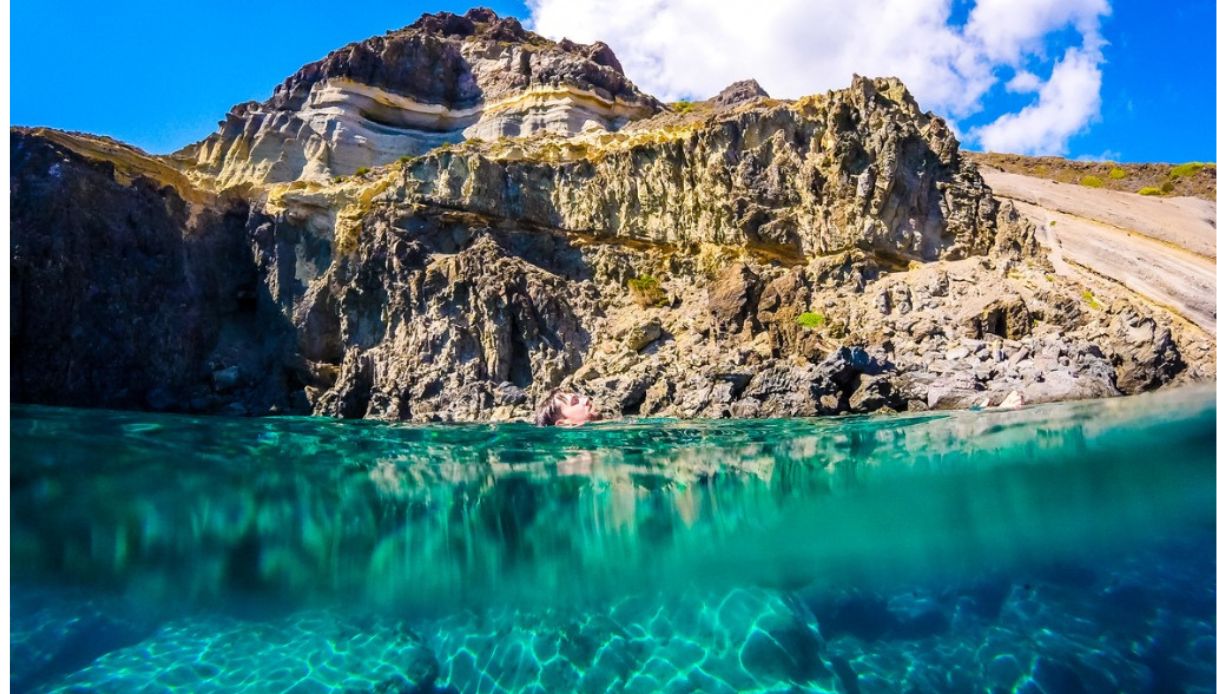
405 159
811 319
1089 300
682 106
1186 170
1052 223
1049 277
1150 190
1116 173
362 170
1092 181
339 179
1168 187
647 291
475 142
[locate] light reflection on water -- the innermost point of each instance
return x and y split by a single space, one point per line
1055 549
304 509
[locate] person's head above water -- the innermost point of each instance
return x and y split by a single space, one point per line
566 409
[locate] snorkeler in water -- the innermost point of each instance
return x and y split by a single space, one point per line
562 408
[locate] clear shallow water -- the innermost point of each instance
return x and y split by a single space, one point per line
1058 548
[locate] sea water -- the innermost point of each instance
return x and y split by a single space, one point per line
1057 548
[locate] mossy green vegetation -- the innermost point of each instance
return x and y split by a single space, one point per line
362 170
405 159
1089 300
647 291
811 320
1150 190
1116 173
1187 170
682 106
1092 181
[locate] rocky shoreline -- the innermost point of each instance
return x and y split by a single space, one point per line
744 257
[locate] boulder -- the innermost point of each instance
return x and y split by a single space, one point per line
875 392
732 297
1005 316
643 334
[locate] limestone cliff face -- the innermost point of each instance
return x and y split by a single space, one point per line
443 79
857 168
529 220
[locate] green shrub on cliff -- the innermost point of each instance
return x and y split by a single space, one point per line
1116 173
405 159
1092 181
682 106
362 170
811 319
1150 190
1186 170
647 291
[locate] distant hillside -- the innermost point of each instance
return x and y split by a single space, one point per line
1195 179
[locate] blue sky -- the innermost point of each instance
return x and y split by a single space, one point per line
161 75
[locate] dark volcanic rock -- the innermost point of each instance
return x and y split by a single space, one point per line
738 92
121 296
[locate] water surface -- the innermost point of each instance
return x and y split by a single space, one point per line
1057 548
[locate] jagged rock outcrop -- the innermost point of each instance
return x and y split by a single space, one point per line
739 92
443 79
758 258
860 168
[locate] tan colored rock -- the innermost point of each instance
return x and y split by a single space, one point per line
1005 316
642 335
732 298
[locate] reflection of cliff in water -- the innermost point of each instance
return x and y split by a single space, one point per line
296 508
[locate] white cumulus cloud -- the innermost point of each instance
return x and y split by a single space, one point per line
1066 104
678 49
1024 82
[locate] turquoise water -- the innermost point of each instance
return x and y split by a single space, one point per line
1057 548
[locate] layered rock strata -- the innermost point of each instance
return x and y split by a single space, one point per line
443 79
740 257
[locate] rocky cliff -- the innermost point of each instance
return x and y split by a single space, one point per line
443 79
446 222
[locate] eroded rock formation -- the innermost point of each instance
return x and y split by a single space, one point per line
443 79
527 219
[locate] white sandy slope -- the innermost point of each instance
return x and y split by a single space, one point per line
1164 249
